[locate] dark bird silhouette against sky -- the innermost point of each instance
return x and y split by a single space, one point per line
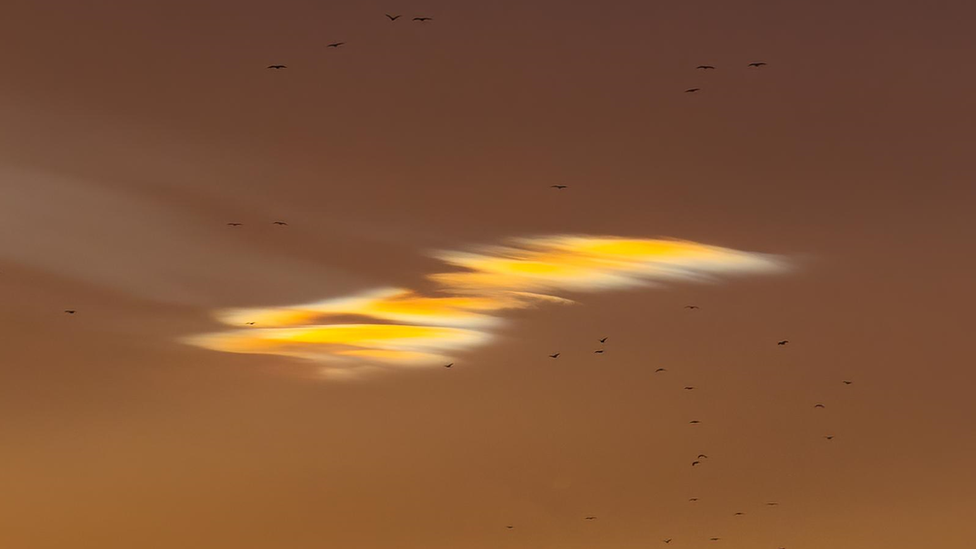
249 323
336 44
757 64
666 540
694 422
689 388
604 339
554 355
846 382
589 518
692 90
392 17
234 224
423 19
449 365
598 351
705 67
819 406
691 307
281 223
659 370
70 311
783 342
560 187
277 67
693 463
829 437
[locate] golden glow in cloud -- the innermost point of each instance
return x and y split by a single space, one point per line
400 327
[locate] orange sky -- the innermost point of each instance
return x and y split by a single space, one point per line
825 199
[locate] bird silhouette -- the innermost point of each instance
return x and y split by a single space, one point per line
604 339
819 406
704 67
249 323
772 503
423 19
784 342
694 422
692 499
693 463
847 382
668 540
560 187
692 90
281 223
739 514
714 539
702 456
277 67
449 365
234 224
391 17
70 311
691 306
554 355
659 370
598 351
335 44
757 64
589 518
509 526
689 388
829 437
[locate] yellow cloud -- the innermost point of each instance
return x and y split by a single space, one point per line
400 326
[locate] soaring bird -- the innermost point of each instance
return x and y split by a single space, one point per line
659 370
819 406
668 540
739 514
692 499
598 351
714 539
692 90
589 518
691 306
702 456
509 526
704 67
70 311
829 437
784 342
554 355
772 503
335 44
689 388
449 365
422 19
560 187
604 339
277 67
249 323
391 17
282 223
694 422
234 224
757 64
847 382
693 463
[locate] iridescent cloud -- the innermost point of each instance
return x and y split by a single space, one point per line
396 326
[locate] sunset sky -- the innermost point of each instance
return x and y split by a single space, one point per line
283 386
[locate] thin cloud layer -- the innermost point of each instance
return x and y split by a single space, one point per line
395 326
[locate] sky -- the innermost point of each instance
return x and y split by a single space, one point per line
824 199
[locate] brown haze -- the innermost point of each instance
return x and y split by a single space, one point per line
132 132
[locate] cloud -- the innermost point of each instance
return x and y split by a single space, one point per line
395 326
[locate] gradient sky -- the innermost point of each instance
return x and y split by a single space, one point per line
827 199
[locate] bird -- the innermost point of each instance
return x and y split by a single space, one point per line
598 351
589 518
784 342
693 500
694 422
846 382
829 437
659 370
560 187
702 456
692 90
757 64
422 19
772 503
668 540
819 406
449 365
509 526
704 67
335 44
234 224
714 539
691 306
249 323
277 67
282 223
391 17
693 463
604 339
689 388
70 311
739 514
554 355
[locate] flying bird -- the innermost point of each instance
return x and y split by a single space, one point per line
394 18
702 456
598 351
589 518
249 323
757 64
560 187
277 67
689 388
554 355
691 306
739 514
282 223
659 370
784 342
449 365
666 540
70 311
692 90
694 422
693 463
714 539
509 526
335 44
847 382
772 503
704 67
819 406
422 19
829 437
604 339
234 224
692 499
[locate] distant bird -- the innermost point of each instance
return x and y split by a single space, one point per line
423 19
714 539
772 503
704 67
449 365
560 187
691 307
739 514
554 355
604 339
784 342
249 323
335 44
659 370
282 223
235 224
692 90
757 64
589 518
277 67
666 540
70 311
692 499
394 18
819 406
847 382
598 351
702 456
509 526
694 422
693 463
829 437
689 388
